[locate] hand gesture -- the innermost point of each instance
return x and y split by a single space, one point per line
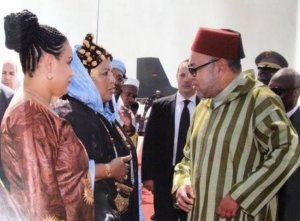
125 115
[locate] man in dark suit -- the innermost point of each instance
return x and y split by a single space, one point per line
286 84
6 95
163 143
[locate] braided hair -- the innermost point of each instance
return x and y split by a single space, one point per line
26 36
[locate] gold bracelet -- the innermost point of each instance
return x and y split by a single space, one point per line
107 170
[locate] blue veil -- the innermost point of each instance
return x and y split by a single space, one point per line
83 89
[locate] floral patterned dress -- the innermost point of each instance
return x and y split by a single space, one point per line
45 166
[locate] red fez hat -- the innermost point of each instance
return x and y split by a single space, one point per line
219 43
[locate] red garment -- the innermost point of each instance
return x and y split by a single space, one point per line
45 164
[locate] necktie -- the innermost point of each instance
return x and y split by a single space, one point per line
184 124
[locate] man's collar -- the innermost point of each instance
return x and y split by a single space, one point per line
218 100
180 98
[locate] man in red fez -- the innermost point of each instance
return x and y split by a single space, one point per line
241 147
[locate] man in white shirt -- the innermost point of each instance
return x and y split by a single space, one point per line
128 95
163 143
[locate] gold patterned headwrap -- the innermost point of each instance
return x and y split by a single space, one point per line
91 54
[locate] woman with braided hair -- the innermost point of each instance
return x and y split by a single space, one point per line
44 165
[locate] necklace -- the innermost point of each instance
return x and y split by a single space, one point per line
34 98
123 191
110 138
125 143
31 95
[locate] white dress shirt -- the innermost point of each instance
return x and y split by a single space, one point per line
179 105
291 112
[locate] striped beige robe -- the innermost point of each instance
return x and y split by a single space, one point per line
246 147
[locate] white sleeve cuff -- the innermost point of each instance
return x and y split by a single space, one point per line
92 172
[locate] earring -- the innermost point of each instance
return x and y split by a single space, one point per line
49 77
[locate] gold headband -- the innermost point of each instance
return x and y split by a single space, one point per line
91 54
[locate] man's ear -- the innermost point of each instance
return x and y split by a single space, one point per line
220 67
222 64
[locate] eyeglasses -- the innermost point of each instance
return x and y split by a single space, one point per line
193 70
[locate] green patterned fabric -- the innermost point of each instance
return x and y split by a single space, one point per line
245 147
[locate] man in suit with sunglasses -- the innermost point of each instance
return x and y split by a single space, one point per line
286 84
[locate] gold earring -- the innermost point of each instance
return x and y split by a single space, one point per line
49 77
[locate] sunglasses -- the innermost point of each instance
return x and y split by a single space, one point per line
281 91
194 71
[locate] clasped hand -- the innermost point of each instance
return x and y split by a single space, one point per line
120 167
185 197
228 207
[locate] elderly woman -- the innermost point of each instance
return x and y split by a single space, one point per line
85 107
45 167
